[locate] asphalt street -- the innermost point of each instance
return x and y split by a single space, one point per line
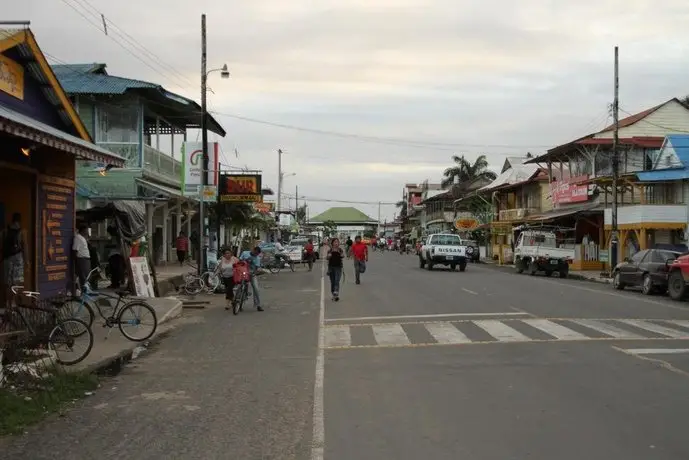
412 364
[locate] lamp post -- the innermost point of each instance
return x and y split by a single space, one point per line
224 73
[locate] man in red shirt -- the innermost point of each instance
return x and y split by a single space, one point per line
308 249
360 254
182 246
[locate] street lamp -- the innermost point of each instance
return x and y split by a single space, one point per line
224 73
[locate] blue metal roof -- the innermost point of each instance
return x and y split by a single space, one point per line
672 162
80 79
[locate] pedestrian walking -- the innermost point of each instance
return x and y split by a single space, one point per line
82 255
310 256
182 246
335 256
349 244
253 257
225 269
360 253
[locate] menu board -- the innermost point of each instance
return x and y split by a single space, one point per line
55 233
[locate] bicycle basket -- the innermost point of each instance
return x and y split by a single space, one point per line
240 272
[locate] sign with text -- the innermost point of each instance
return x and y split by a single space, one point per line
569 190
55 233
264 208
141 275
11 77
240 188
208 193
192 165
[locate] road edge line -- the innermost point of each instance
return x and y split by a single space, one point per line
318 440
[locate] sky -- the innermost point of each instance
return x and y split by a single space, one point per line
400 85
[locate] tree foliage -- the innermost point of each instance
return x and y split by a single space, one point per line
465 171
329 228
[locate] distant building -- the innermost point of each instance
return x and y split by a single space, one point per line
348 221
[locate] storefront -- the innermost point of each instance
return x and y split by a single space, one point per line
41 137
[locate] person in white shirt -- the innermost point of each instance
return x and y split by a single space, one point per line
280 252
82 255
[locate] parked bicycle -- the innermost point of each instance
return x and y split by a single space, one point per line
194 284
60 331
125 314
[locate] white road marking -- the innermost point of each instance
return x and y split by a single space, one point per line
439 315
558 331
338 336
446 333
390 334
655 351
469 291
606 329
658 329
679 322
501 331
318 439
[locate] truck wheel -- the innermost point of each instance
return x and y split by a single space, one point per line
429 266
548 273
421 262
462 267
564 272
519 266
453 267
676 286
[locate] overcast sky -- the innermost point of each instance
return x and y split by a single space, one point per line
499 77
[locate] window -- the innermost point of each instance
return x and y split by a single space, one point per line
445 240
663 256
117 124
638 257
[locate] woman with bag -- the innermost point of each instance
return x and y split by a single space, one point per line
225 269
335 256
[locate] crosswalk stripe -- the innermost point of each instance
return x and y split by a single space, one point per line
390 334
558 331
446 333
338 336
501 331
606 329
658 329
678 322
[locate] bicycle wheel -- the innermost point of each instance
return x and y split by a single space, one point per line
194 286
70 333
131 315
75 307
274 268
211 281
239 299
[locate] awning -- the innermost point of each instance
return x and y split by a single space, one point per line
161 189
20 125
571 210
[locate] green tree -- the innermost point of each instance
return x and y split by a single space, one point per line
329 228
402 206
300 214
464 171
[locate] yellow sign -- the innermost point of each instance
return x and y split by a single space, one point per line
11 77
240 198
466 224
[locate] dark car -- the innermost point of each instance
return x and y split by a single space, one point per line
647 268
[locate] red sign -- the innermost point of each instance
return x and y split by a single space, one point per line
240 188
569 190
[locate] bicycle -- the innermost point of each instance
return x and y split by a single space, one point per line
89 297
62 330
242 292
276 263
194 284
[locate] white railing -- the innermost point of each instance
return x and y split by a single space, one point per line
162 165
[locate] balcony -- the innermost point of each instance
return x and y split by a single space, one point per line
126 150
446 216
508 215
639 214
162 166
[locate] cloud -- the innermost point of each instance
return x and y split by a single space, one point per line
494 77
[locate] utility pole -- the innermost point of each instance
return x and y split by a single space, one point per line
378 231
296 203
614 240
279 191
204 141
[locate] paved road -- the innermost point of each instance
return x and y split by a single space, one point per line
482 365
492 365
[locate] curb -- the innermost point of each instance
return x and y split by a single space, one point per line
570 276
113 364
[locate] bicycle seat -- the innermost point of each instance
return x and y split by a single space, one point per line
122 292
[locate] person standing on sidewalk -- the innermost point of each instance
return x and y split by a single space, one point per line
225 269
182 246
360 253
335 256
82 255
349 244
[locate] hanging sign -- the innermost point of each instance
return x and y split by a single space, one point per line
192 165
240 188
11 77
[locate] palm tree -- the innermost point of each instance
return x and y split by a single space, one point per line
464 171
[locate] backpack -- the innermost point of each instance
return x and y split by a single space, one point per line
12 243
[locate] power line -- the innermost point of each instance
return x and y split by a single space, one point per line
329 200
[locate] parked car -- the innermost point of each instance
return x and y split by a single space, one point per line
476 255
648 268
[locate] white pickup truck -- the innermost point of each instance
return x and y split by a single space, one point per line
444 249
537 250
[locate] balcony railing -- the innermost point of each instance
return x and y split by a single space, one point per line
128 151
516 214
162 165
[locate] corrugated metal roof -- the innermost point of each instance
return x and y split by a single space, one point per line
516 175
78 79
62 69
663 175
672 162
28 122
